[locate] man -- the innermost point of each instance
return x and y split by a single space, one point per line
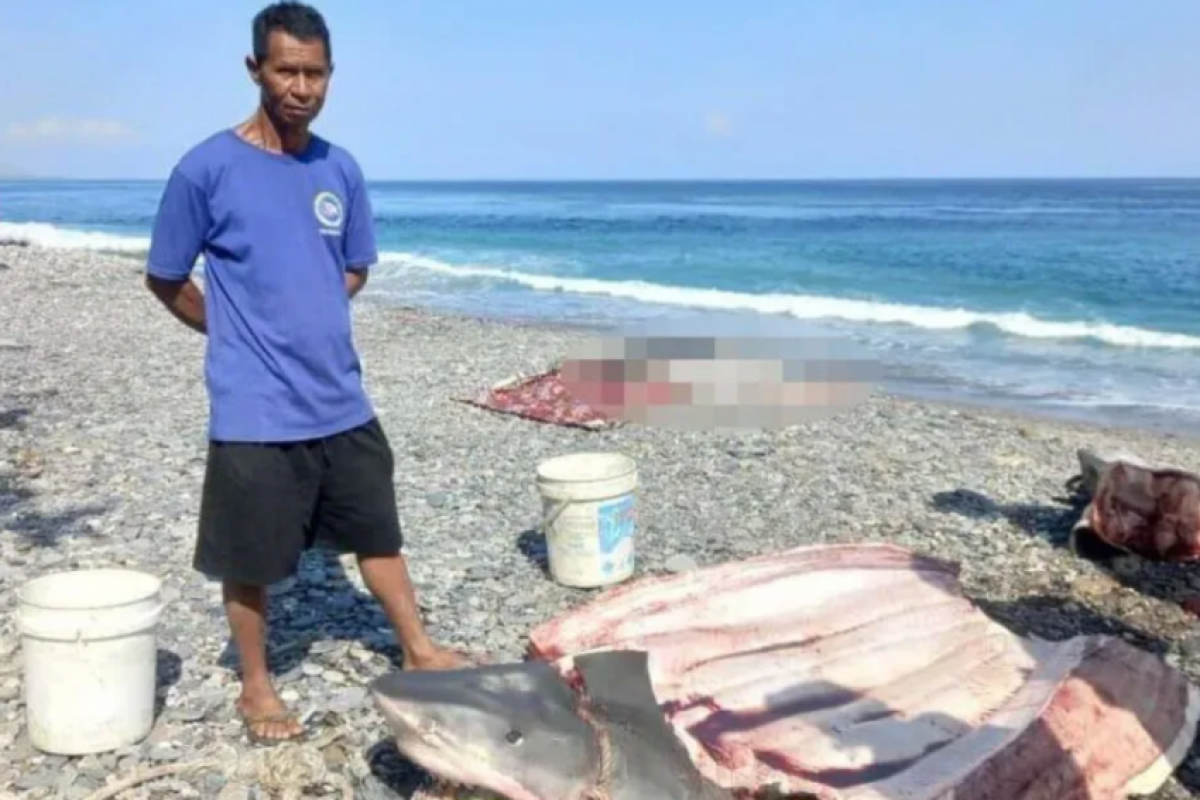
295 452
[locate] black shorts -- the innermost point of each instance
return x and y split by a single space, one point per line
264 504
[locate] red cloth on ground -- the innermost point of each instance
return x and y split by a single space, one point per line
542 398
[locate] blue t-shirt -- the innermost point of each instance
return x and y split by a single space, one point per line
277 233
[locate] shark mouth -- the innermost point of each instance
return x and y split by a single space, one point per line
442 760
451 782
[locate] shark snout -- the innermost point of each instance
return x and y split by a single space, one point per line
399 715
398 704
509 728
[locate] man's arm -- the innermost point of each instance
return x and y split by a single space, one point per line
359 243
356 279
182 298
180 230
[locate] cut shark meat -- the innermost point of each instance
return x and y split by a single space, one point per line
861 672
1151 511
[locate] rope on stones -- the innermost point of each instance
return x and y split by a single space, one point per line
601 784
145 776
283 770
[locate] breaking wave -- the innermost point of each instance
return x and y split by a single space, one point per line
812 307
800 306
41 234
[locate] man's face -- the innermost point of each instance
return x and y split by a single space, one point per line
294 78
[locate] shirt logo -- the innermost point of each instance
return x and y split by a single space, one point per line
328 209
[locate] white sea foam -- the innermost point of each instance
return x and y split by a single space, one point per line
53 237
811 307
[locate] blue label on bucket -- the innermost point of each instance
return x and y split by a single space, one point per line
616 520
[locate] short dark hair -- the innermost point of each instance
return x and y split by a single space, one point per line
298 20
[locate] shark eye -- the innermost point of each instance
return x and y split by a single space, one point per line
514 736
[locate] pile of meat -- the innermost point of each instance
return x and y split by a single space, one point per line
1139 508
862 671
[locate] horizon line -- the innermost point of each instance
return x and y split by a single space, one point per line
811 179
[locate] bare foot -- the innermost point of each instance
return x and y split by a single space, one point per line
438 658
267 718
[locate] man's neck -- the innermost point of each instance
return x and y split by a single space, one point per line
262 131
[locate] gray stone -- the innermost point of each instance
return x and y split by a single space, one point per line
65 780
680 563
234 791
165 751
37 777
212 783
347 700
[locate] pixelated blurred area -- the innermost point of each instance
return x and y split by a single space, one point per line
702 382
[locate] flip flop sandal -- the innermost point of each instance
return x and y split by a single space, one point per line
250 723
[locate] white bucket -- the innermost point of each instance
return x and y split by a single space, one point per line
89 644
589 517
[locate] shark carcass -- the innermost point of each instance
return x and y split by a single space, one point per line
850 672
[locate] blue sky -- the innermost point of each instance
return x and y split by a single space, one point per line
623 89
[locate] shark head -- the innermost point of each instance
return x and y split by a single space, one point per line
509 728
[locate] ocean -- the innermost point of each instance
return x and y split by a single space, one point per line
1075 298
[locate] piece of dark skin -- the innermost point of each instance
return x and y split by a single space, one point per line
293 79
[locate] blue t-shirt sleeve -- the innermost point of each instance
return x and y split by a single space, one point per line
360 247
180 228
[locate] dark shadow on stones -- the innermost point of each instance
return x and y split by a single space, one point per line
1060 617
18 493
46 530
1051 523
14 418
169 669
311 617
13 492
38 528
395 772
1170 582
532 544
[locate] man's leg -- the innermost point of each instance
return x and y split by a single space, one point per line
357 510
266 715
387 578
257 500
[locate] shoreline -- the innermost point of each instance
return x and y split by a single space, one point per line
952 393
1082 419
102 435
1112 423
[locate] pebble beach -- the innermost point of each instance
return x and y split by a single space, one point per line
102 439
